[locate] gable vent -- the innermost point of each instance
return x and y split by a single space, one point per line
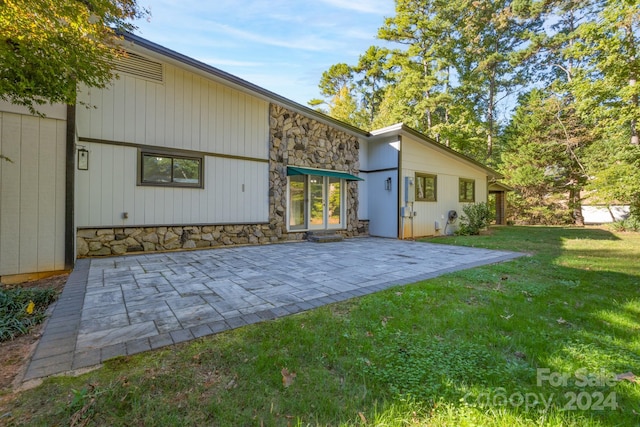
140 66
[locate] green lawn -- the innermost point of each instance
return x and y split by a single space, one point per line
535 341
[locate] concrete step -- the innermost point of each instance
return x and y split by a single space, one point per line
324 236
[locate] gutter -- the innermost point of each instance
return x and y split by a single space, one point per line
69 191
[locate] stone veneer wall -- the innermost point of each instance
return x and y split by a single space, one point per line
297 140
294 140
363 227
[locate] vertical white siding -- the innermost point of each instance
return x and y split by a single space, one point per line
416 157
109 188
382 154
186 111
382 205
363 196
11 130
32 192
363 193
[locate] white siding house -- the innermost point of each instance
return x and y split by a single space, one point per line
176 154
180 155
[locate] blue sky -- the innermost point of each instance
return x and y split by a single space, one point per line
282 46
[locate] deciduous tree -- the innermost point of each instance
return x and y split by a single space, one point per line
47 47
607 90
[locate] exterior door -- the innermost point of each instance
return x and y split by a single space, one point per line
315 202
334 203
298 202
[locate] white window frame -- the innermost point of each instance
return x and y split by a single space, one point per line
307 201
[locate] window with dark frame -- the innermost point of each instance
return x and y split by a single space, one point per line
467 190
426 187
170 170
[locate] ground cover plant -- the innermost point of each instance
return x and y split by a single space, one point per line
21 309
548 339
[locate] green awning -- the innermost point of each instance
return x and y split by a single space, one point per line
294 170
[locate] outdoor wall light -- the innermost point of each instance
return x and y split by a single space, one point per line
83 159
387 184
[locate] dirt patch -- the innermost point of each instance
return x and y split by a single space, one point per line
14 354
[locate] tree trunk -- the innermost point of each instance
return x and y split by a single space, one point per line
633 75
634 121
490 112
428 112
427 94
575 204
447 140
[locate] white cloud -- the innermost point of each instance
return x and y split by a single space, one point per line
310 43
283 17
217 62
361 34
377 7
281 45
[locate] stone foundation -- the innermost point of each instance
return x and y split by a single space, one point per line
118 241
92 242
363 227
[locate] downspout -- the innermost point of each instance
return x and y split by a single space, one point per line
69 222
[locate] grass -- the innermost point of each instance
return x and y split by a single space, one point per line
535 341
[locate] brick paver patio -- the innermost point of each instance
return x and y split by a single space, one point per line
125 305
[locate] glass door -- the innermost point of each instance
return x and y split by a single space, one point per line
334 203
317 205
298 202
315 202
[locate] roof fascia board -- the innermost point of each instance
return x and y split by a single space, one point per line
401 129
499 186
160 52
389 130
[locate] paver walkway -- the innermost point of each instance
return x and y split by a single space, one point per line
125 305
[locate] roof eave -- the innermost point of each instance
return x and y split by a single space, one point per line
499 186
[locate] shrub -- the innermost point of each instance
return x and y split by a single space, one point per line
630 224
477 216
21 309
